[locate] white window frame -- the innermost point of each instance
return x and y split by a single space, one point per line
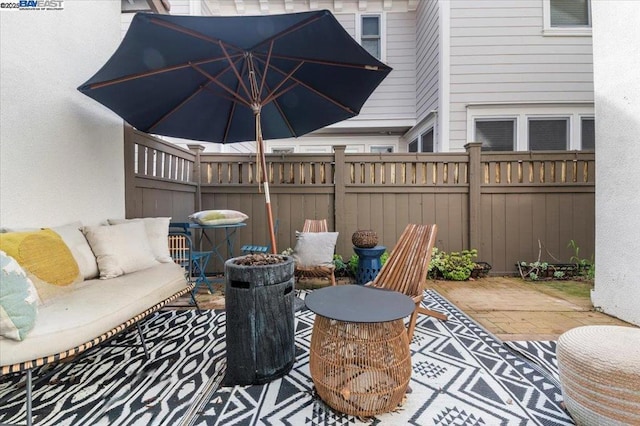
522 112
383 32
548 30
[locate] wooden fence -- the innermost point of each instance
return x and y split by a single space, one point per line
508 205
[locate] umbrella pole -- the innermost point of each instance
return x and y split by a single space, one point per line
265 183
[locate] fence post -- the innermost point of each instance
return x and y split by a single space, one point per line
131 206
474 150
339 188
197 174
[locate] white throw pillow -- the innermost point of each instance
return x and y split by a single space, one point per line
315 248
73 237
218 217
157 232
120 249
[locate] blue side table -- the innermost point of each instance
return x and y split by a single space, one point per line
368 263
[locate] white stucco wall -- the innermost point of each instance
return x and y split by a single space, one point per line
61 153
616 54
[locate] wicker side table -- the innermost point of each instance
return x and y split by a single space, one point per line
360 360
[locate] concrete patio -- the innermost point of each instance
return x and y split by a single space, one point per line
508 307
513 309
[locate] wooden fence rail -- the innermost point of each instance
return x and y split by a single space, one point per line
505 204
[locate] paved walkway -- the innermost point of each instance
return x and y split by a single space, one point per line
513 309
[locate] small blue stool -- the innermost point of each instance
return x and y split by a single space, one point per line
369 263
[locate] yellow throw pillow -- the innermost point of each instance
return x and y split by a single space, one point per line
46 259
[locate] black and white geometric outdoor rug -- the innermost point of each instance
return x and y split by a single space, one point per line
116 385
462 375
542 353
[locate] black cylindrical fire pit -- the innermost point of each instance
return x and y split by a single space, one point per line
259 302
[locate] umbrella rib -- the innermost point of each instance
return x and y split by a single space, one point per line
322 95
277 105
284 117
154 72
174 109
235 70
232 111
272 94
228 127
215 80
184 30
324 62
266 67
223 45
288 30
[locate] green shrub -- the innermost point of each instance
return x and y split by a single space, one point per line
353 264
586 267
338 262
455 266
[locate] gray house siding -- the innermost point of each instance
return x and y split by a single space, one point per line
499 55
427 58
395 98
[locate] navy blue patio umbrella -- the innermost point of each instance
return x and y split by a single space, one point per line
234 79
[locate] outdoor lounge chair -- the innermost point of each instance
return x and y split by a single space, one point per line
318 271
406 268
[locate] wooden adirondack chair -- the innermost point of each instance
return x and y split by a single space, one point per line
312 225
406 268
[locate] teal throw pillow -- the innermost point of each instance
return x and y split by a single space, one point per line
18 300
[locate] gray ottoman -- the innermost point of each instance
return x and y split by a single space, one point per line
600 374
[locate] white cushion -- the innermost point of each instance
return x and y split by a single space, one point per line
218 217
315 248
93 308
120 249
157 232
73 237
18 300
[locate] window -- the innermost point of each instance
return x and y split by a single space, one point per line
370 32
570 13
287 150
587 133
381 149
153 6
496 134
548 134
422 144
371 38
566 17
531 127
426 140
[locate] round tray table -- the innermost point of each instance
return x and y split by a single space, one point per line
360 360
